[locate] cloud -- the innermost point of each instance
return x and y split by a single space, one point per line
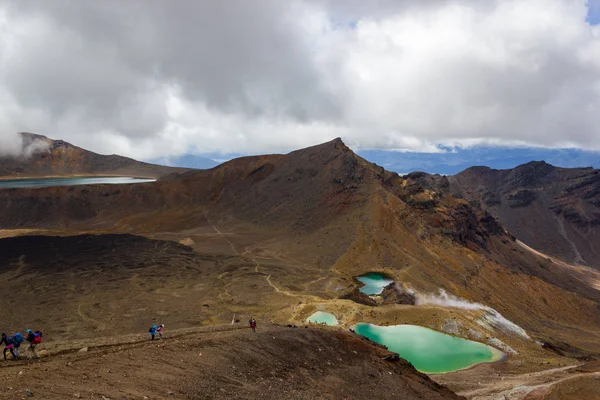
11 144
147 79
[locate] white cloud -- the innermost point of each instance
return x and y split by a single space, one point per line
146 80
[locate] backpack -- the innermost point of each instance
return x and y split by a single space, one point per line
18 338
37 337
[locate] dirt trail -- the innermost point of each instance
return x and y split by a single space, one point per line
222 235
586 275
257 270
518 387
222 362
562 231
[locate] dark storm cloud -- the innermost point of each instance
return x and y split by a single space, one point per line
232 55
153 78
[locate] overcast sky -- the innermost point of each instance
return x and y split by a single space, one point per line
154 78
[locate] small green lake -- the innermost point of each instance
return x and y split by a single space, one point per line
321 317
373 283
430 351
70 181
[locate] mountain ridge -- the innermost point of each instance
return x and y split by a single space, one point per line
45 157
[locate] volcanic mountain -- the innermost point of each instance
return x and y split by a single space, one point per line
554 210
43 157
280 236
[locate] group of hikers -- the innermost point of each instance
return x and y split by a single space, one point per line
13 342
157 330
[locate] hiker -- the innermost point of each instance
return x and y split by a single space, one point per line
159 330
17 340
252 323
152 331
8 341
34 339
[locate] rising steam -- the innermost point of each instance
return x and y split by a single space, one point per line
491 317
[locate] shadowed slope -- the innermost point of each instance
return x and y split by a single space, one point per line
555 210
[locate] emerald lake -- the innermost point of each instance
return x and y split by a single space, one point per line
430 351
321 317
373 283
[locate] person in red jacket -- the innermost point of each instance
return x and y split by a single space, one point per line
252 323
33 341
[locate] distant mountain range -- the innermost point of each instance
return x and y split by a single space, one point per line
455 160
187 161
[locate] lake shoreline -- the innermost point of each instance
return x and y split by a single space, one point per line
502 357
388 336
40 183
17 178
373 283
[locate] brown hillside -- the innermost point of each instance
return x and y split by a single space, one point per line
555 210
278 237
43 157
332 211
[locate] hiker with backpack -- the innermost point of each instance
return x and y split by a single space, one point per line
9 343
34 339
17 339
252 323
152 331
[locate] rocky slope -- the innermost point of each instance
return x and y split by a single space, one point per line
554 210
42 156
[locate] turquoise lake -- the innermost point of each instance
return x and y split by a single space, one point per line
321 317
48 182
374 283
430 351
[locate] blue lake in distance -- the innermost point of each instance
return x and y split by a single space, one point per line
70 181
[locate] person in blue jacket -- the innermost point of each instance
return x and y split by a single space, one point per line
152 331
17 340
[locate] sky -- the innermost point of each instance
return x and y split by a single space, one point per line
151 78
